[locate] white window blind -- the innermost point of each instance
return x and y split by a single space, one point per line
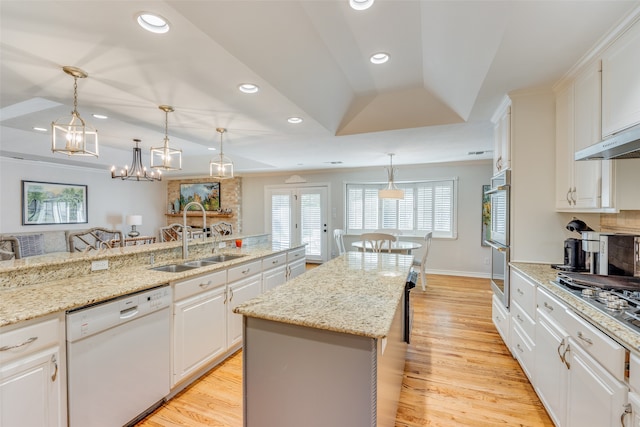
426 206
281 220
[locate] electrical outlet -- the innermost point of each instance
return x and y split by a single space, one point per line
222 245
100 265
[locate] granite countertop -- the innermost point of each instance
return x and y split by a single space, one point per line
543 274
22 303
357 293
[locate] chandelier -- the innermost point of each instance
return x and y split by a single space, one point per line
221 167
165 157
71 135
136 172
391 191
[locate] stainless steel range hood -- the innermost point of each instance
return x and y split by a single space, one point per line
623 145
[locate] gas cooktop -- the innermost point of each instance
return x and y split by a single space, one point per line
618 297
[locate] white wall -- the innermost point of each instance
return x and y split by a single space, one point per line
462 256
109 200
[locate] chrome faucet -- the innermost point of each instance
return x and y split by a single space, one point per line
185 243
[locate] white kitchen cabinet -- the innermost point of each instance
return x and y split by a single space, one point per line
296 262
523 297
502 137
32 375
501 320
199 324
621 83
274 271
239 292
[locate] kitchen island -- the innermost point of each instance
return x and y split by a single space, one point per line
327 348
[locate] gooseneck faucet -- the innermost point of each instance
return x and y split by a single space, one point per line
185 243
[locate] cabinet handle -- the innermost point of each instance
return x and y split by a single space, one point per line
274 262
567 196
519 348
627 410
520 291
231 292
585 339
246 271
12 347
519 318
55 365
225 298
205 285
547 306
573 196
562 355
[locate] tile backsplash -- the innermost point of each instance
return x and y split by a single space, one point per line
623 222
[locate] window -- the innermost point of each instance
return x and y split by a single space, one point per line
427 206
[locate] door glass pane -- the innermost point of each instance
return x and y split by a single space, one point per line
281 221
311 223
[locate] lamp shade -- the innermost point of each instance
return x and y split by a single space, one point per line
134 219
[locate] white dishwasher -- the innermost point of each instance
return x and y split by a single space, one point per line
118 358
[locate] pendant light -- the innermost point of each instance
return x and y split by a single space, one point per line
71 135
221 167
136 172
165 157
391 191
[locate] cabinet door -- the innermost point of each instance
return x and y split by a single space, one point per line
564 148
199 332
273 278
239 292
296 268
551 371
594 397
30 391
621 83
502 141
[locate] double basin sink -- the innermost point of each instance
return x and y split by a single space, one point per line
190 265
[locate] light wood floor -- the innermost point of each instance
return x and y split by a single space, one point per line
458 371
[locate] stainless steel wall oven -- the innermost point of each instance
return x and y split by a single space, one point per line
499 234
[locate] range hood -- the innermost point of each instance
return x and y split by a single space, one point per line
623 145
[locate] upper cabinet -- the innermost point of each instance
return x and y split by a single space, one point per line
502 137
621 83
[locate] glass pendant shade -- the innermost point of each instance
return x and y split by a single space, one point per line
221 167
391 191
136 172
71 135
165 157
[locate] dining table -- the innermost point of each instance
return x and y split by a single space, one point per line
398 247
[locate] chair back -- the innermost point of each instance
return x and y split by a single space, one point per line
427 246
94 239
393 231
173 232
9 248
338 234
222 228
378 242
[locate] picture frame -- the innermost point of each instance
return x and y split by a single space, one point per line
205 193
486 215
46 203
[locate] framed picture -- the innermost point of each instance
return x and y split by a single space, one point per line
207 194
53 203
486 215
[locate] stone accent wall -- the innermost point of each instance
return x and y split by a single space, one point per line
623 222
230 198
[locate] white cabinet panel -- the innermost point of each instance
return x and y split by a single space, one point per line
238 293
274 277
501 319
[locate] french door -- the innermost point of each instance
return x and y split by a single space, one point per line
299 216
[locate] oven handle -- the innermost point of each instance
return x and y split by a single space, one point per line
496 189
495 246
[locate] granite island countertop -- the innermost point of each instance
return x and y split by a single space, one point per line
543 275
41 298
357 293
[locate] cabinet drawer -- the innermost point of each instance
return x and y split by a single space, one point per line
296 254
29 339
244 270
551 306
523 351
199 284
274 261
523 292
520 318
500 319
605 350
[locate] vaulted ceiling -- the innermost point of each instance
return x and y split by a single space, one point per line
451 63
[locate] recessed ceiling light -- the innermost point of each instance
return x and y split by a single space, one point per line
152 22
295 120
100 116
39 129
379 58
360 4
248 88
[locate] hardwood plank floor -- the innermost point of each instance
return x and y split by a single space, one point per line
458 371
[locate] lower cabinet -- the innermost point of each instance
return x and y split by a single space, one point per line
274 277
238 292
32 375
296 262
501 318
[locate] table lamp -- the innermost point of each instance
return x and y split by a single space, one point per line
134 220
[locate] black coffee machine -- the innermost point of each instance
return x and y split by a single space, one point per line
574 256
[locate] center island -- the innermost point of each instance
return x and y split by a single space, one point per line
327 348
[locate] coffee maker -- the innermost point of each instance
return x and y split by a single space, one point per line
574 256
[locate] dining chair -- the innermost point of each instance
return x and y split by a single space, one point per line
9 248
393 231
94 239
379 241
338 234
173 232
421 263
222 228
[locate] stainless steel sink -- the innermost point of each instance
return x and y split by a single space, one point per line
222 258
199 263
173 268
